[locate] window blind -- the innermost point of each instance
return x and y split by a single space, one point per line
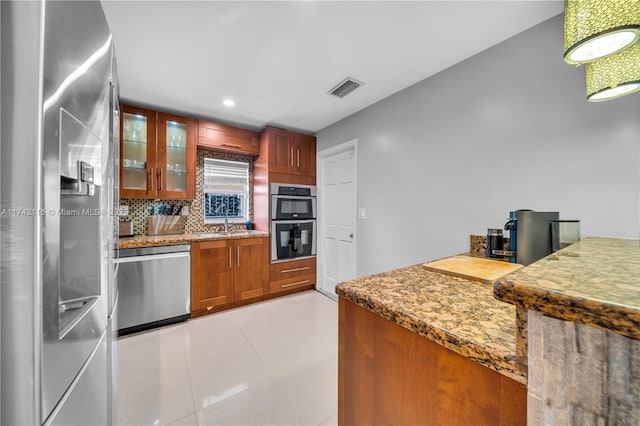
226 190
226 177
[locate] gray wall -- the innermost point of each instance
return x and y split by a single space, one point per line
506 129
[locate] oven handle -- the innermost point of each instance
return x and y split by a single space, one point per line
295 197
293 221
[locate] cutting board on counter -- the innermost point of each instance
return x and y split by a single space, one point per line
473 268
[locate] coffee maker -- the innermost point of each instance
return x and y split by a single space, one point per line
529 236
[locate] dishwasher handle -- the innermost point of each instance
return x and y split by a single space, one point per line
152 257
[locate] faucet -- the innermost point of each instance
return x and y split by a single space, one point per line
226 215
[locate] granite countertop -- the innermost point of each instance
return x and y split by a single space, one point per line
458 313
168 240
595 282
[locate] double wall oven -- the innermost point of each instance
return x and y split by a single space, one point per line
293 221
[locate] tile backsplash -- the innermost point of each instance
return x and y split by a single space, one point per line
194 221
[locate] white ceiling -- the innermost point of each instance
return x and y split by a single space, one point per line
277 60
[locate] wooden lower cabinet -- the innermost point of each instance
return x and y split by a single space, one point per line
251 272
388 375
294 274
227 272
211 275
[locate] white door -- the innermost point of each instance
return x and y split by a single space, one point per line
337 203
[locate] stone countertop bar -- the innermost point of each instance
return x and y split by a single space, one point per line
594 282
459 314
168 240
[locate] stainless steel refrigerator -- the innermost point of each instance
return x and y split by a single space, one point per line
59 123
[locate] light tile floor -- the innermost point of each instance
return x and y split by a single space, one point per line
272 363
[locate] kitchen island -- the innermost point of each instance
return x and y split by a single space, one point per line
421 347
583 313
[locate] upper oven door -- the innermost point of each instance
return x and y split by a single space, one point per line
292 208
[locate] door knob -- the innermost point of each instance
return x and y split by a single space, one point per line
350 235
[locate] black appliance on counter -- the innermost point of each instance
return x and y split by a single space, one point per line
293 221
529 236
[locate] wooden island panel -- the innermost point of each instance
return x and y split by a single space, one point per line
388 375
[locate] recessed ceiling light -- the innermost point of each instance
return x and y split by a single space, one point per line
229 102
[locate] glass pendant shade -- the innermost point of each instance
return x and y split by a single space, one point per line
596 28
614 76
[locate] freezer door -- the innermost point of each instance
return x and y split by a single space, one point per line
84 403
112 368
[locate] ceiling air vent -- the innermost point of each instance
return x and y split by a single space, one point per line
345 87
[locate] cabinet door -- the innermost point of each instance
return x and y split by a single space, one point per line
304 155
251 263
218 137
280 151
211 274
138 153
176 157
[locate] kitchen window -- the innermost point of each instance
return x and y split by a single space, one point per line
226 190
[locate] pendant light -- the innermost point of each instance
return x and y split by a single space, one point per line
596 28
614 76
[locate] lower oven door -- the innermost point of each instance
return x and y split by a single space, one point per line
292 239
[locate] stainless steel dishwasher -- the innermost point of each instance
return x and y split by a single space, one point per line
155 287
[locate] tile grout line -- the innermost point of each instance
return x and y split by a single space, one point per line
193 401
257 355
182 331
271 376
328 418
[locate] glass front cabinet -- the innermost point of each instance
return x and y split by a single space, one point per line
158 155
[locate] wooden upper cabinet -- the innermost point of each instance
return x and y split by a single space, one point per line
137 152
305 154
280 146
291 153
176 157
158 155
218 137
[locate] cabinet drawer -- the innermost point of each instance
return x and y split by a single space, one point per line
292 283
292 269
227 139
285 276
